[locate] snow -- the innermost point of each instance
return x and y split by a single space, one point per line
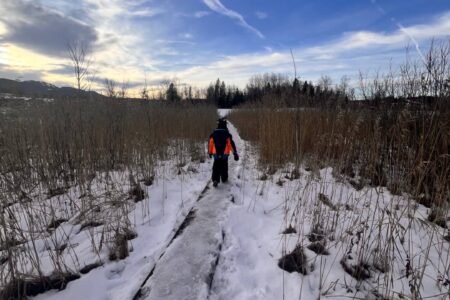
169 201
223 113
8 96
254 241
185 271
231 250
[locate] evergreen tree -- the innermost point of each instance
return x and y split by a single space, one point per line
238 97
221 102
305 88
210 94
296 86
311 89
216 92
172 94
190 93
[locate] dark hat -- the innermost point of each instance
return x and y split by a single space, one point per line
222 123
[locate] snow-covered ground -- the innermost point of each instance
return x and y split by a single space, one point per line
367 232
155 220
369 226
231 250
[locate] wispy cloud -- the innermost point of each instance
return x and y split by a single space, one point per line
123 48
146 12
440 27
186 35
353 51
402 29
201 14
132 38
261 15
218 7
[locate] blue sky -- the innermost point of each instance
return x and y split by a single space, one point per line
197 41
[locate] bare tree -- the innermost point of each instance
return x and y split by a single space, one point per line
389 82
163 87
144 91
91 78
344 84
377 90
79 55
437 66
363 85
325 82
190 93
123 91
185 92
199 93
110 88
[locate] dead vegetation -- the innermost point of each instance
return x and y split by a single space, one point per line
412 157
387 153
80 166
398 136
296 261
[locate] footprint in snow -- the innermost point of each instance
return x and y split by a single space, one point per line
115 271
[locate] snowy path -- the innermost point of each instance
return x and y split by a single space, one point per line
178 245
186 269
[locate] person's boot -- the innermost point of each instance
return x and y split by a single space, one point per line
215 183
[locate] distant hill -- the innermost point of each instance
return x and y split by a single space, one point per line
40 89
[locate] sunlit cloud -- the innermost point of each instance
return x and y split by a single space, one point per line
147 12
133 40
22 59
43 30
3 31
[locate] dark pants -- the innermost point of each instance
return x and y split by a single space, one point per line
220 170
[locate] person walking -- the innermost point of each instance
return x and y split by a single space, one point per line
220 146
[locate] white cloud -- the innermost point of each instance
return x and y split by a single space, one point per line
218 7
125 50
368 39
187 35
201 14
123 44
346 55
261 15
146 12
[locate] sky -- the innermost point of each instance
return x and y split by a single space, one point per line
197 41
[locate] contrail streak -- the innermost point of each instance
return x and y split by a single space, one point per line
402 29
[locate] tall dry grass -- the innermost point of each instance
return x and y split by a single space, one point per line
70 140
399 136
406 150
84 162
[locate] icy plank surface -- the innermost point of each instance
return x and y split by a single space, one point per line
186 269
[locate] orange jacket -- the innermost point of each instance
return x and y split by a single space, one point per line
221 143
